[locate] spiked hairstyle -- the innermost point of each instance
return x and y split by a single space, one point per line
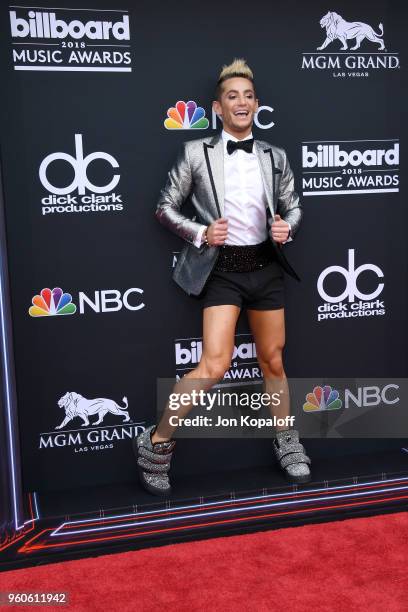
238 68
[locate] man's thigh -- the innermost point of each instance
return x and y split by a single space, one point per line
219 323
268 330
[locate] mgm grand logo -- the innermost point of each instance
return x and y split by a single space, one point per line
94 436
340 59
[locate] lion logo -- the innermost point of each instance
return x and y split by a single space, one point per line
76 405
337 27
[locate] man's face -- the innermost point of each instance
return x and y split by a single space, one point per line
237 105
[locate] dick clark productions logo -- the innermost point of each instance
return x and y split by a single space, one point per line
350 302
81 195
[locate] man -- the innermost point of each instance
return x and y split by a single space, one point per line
246 208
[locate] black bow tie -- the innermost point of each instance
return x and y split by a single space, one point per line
245 145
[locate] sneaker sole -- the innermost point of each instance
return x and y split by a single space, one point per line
298 479
150 488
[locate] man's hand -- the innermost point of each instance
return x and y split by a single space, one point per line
217 232
280 230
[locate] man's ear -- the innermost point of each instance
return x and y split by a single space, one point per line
217 107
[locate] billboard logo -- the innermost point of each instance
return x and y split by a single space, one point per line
244 365
322 398
186 116
365 305
51 41
350 167
46 25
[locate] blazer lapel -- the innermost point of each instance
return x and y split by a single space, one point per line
214 155
268 170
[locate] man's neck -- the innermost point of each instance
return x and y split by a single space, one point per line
239 135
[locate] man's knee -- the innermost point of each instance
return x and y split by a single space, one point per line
214 367
272 364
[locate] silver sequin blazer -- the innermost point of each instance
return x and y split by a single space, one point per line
198 174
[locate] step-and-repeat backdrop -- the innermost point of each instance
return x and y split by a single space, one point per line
97 101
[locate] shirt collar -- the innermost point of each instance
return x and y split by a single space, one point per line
226 137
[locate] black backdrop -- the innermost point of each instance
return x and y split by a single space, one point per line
175 53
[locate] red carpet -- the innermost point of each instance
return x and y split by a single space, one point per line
357 564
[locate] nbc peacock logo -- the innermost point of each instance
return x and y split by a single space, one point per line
186 116
322 398
52 302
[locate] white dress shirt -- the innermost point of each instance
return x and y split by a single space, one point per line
245 200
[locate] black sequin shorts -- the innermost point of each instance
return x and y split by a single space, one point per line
261 289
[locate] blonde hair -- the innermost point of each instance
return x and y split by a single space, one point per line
237 68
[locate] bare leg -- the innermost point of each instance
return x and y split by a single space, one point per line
268 329
219 324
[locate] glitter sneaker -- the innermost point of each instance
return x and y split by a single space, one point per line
153 462
291 456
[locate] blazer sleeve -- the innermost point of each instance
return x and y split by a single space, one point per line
172 197
289 207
